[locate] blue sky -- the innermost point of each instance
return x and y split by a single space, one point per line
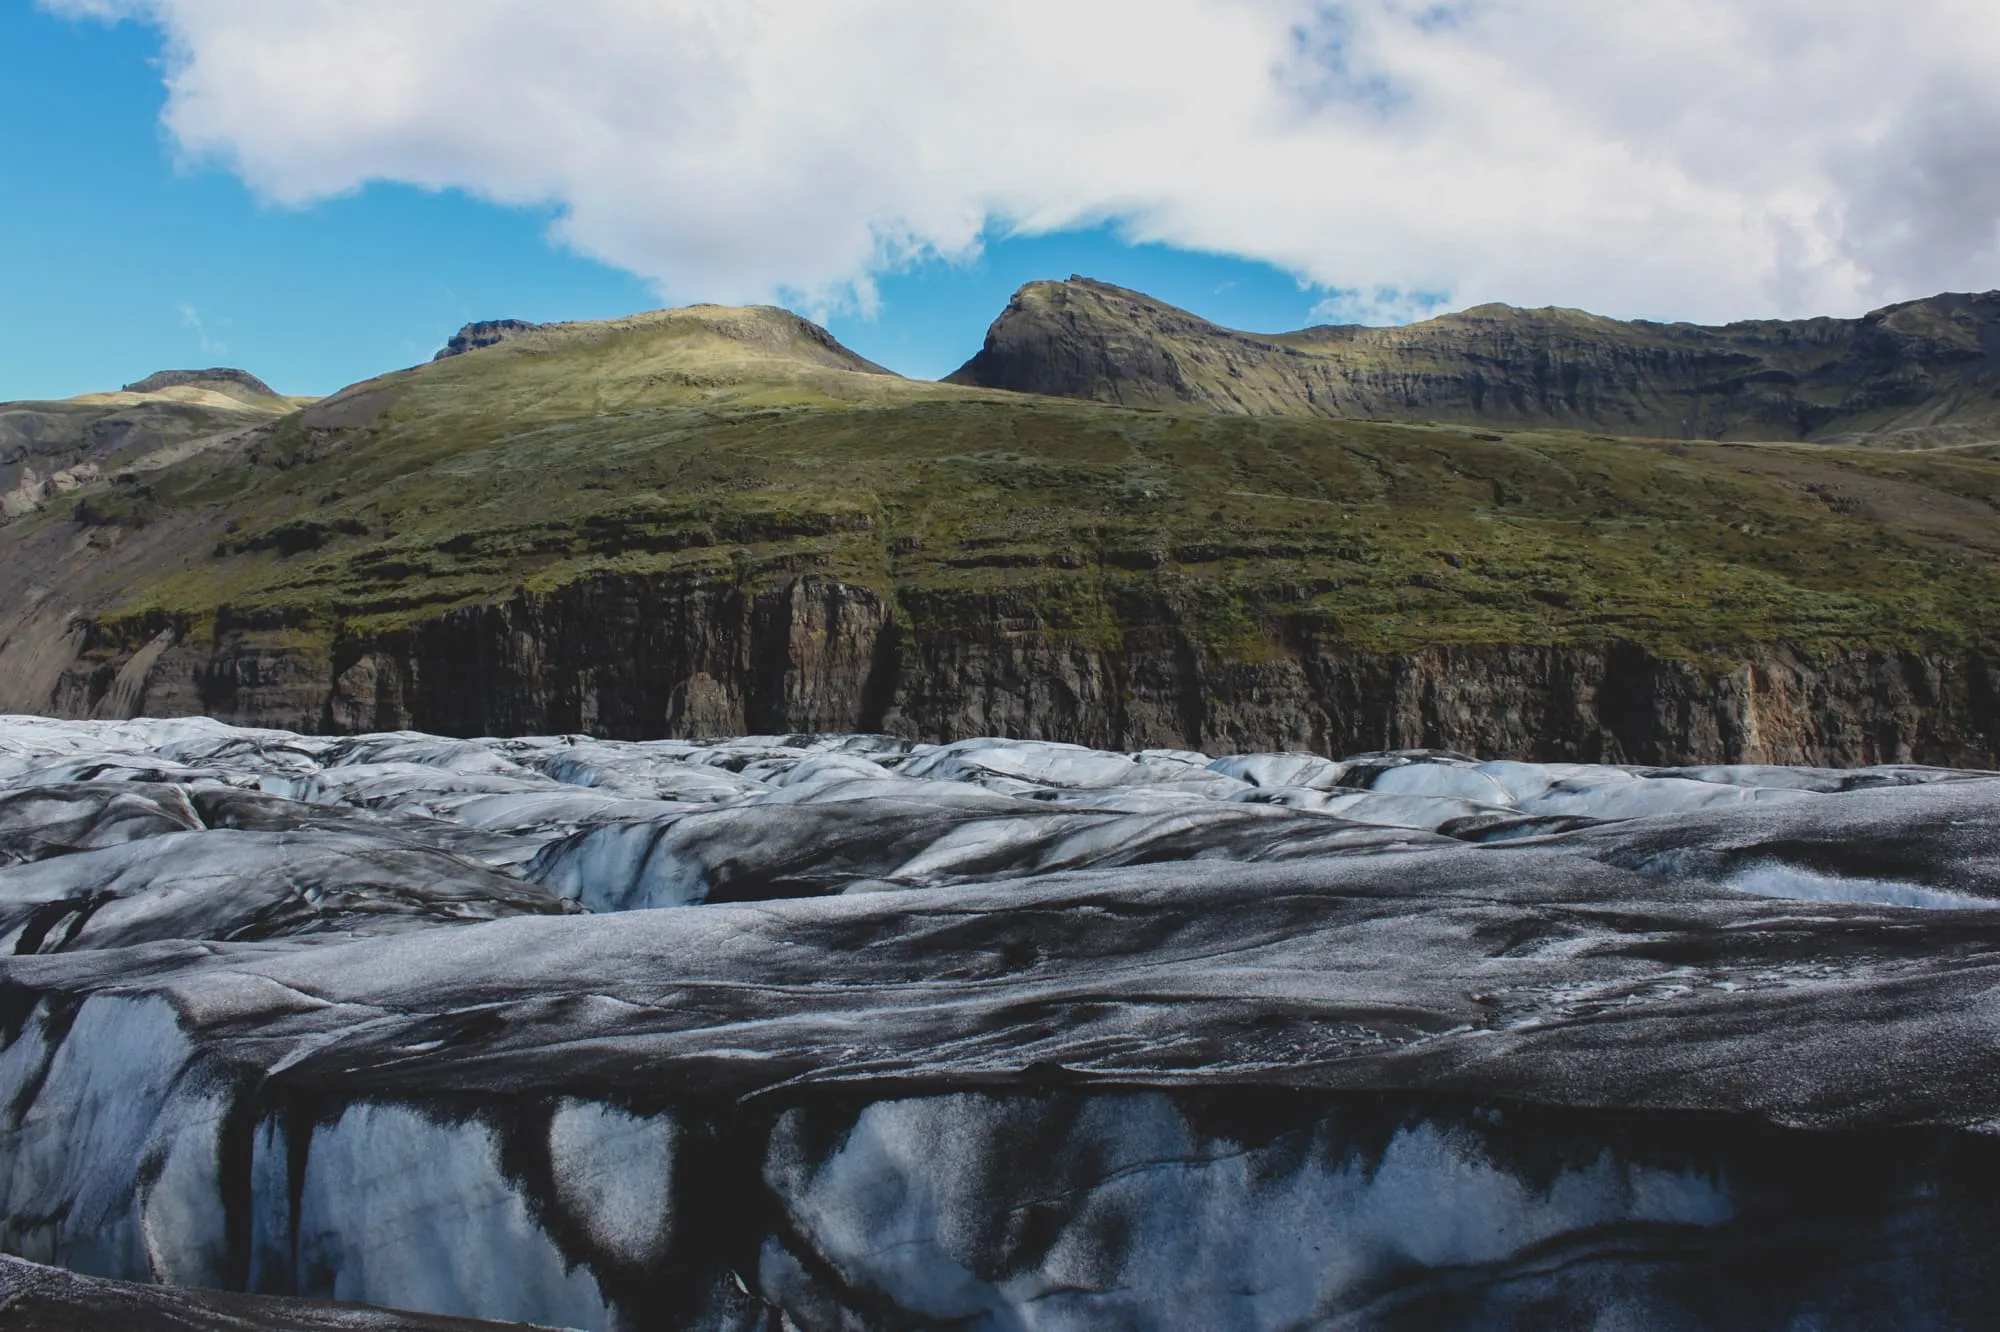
297 188
117 258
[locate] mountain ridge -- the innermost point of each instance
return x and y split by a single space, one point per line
54 448
766 332
1910 374
719 520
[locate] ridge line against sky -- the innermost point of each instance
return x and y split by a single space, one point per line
894 166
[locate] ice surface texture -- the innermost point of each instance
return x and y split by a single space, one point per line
35 1298
998 1033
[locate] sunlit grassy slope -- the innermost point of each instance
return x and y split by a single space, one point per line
747 445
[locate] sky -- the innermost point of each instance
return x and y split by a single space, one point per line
320 191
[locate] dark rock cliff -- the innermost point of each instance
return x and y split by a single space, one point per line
483 333
635 657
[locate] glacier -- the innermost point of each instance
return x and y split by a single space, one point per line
828 1032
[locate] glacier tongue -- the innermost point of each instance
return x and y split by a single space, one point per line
841 1031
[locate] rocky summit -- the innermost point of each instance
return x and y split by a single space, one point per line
1916 374
844 1031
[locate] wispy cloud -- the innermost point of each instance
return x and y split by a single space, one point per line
210 344
1685 158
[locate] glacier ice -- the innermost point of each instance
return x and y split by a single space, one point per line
840 1031
920 1194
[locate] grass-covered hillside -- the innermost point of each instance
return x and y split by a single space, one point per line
747 445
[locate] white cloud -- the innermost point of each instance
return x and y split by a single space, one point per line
1695 158
1383 305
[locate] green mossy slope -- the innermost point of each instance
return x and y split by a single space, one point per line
746 445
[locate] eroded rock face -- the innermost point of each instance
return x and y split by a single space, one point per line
646 658
844 1031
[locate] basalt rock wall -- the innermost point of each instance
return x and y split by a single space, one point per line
646 657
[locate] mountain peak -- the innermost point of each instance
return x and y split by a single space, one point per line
686 333
1088 339
687 356
222 379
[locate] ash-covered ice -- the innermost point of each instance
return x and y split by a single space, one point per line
844 1031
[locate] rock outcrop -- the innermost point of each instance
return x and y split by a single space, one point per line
644 657
483 333
1916 373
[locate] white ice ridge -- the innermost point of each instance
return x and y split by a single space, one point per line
618 826
1776 880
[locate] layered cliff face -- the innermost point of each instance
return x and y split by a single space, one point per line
640 657
1924 372
719 521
